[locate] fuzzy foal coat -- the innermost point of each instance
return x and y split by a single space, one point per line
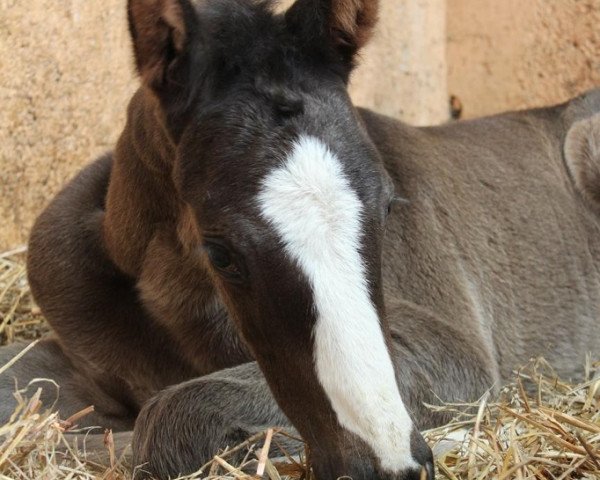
493 258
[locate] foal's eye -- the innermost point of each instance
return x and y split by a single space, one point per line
221 259
218 256
289 108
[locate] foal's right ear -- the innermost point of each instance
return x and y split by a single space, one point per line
344 25
161 31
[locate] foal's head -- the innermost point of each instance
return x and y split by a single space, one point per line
289 200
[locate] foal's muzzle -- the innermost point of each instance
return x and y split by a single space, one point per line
360 465
423 455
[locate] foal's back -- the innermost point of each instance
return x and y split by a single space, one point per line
494 237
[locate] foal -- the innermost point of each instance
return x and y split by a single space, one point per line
225 268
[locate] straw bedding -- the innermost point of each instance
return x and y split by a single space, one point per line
540 427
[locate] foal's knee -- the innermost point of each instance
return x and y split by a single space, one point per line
180 429
184 426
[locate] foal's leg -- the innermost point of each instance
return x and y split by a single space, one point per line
64 386
92 306
65 389
183 426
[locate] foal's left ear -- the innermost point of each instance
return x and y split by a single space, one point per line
345 25
161 31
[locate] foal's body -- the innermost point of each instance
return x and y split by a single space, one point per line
493 258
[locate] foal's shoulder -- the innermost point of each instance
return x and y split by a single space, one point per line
581 107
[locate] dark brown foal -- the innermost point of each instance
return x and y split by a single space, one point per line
239 261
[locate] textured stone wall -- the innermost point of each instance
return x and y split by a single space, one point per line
512 54
64 80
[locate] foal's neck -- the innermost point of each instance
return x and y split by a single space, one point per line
141 197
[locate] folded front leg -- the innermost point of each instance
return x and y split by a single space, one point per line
184 426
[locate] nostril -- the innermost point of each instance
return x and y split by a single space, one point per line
427 472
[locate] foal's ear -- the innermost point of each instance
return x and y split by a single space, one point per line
345 25
582 155
161 31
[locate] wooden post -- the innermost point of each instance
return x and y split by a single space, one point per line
404 72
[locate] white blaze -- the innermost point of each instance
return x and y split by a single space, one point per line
314 210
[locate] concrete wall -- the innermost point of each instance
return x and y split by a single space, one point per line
65 76
64 81
513 54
